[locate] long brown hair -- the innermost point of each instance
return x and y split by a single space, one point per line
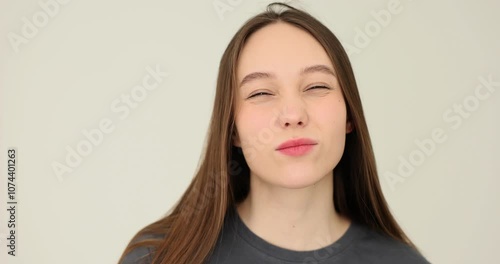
190 229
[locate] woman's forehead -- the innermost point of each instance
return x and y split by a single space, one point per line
280 48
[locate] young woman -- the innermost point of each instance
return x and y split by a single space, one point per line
288 174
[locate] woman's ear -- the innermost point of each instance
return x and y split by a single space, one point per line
349 127
236 139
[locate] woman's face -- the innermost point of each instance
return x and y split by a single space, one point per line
287 89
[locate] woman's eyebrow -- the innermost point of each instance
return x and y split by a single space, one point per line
256 75
318 68
307 70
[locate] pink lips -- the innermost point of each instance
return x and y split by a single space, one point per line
296 147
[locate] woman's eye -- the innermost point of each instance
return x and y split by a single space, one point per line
259 94
319 86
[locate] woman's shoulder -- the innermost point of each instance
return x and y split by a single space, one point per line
374 245
141 254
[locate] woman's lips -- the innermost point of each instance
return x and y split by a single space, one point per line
296 147
297 150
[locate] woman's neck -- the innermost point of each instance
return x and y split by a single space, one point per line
296 219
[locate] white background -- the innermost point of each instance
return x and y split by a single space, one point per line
428 57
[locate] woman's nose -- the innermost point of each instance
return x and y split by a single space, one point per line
292 113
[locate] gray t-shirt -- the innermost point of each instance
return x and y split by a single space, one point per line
237 244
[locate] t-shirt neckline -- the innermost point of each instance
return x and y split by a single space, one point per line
309 256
